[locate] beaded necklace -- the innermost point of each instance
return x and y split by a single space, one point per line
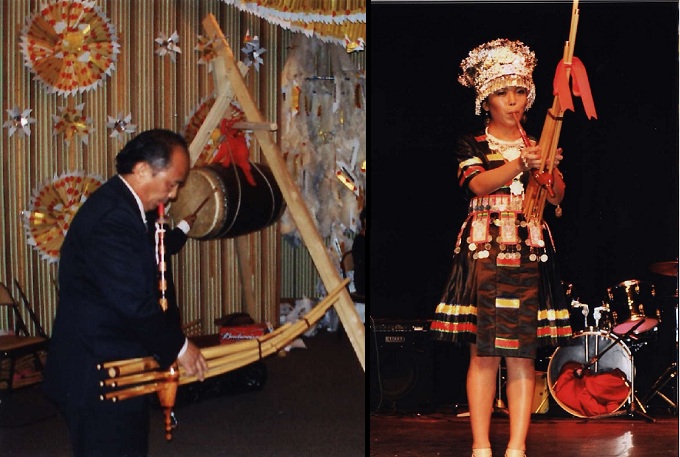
510 150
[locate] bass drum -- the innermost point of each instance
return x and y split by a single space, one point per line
226 205
598 390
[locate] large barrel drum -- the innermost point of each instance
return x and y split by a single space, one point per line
228 206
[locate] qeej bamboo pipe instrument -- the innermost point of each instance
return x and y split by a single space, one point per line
536 194
141 376
543 178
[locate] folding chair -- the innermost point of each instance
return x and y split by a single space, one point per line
19 351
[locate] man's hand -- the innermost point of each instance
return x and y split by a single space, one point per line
193 362
190 219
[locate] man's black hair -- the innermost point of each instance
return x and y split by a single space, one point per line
152 146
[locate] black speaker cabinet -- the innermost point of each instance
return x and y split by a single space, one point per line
403 355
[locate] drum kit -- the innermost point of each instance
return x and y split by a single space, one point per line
593 376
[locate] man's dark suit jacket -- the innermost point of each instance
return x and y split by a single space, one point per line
108 300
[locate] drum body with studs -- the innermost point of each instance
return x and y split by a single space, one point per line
226 205
633 301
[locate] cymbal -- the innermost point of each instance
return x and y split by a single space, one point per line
628 283
665 268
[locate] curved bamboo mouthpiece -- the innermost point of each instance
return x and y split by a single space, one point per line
522 133
544 179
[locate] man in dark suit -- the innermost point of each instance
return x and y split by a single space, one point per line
109 302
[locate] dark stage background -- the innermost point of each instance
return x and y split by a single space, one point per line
621 206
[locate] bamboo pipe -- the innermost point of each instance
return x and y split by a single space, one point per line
215 367
126 367
545 180
318 310
226 349
230 365
132 367
535 195
294 331
137 378
118 363
218 365
149 363
140 378
131 392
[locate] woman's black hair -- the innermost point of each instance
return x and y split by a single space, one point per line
152 146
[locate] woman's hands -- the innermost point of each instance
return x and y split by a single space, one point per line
531 158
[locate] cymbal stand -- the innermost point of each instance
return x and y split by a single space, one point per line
499 406
632 410
668 375
597 314
584 310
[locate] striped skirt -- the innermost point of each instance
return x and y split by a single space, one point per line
505 297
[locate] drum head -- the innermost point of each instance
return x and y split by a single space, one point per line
201 191
598 390
226 204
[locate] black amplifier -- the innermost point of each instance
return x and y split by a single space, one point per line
400 326
402 351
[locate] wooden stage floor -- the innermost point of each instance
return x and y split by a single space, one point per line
445 434
418 401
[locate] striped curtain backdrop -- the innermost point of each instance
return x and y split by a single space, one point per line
158 93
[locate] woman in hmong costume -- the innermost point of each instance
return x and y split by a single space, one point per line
504 295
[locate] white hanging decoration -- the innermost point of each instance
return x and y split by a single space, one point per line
168 45
323 141
354 46
72 122
253 51
346 177
19 122
120 125
206 49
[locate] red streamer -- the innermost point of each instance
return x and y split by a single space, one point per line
580 85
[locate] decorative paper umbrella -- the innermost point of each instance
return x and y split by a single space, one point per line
196 119
52 208
197 116
70 45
